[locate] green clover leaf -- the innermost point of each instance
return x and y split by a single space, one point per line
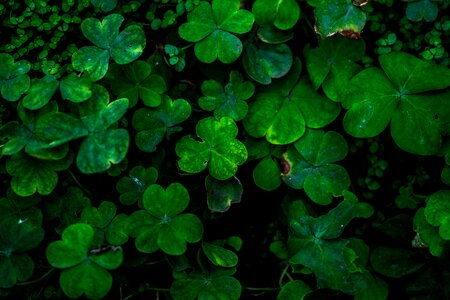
153 124
212 30
263 62
16 237
428 235
123 47
437 212
395 262
67 207
31 175
316 244
108 227
136 81
21 208
218 150
295 289
416 10
161 225
40 92
228 101
310 165
133 186
84 268
76 88
220 194
282 112
217 284
219 256
13 78
105 5
398 95
338 16
284 14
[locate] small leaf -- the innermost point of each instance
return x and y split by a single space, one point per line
293 290
220 194
40 93
75 88
437 212
219 256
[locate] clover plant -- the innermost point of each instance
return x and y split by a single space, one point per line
226 149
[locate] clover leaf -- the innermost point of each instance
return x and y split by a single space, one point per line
137 82
220 194
282 112
40 92
228 101
437 212
212 30
295 289
31 175
133 186
76 88
16 237
21 208
395 262
109 228
398 95
335 16
218 150
219 256
162 225
153 124
123 47
105 5
316 245
84 268
217 284
263 62
310 165
416 10
331 62
67 207
284 14
13 78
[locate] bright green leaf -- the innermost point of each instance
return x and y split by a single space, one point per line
40 92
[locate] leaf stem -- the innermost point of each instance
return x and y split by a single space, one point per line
80 185
36 280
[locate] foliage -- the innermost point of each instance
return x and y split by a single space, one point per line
226 149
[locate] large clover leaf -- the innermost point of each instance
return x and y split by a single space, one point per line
284 14
153 124
84 268
13 78
228 101
76 88
310 165
137 81
161 225
218 150
398 95
282 112
335 16
16 237
40 92
316 245
31 175
212 28
437 212
133 186
123 47
217 284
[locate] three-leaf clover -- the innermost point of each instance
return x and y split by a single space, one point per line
310 165
398 95
137 81
16 237
219 150
13 78
123 47
212 29
282 112
416 10
84 268
153 124
162 225
437 212
228 101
